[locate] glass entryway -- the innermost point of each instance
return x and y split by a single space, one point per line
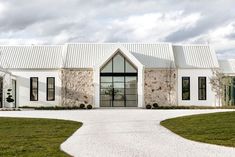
118 83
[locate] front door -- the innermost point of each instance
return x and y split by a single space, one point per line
118 91
1 92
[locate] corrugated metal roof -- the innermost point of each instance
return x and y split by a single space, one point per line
31 56
87 55
195 56
227 66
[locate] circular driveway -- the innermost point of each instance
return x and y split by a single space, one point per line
127 133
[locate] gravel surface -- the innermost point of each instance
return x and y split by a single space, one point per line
127 133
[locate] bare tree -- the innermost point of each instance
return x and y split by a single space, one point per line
217 83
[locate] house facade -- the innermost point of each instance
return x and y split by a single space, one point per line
107 74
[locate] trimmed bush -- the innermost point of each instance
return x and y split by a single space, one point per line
155 105
82 106
148 106
89 107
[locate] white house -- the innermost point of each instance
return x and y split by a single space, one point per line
107 74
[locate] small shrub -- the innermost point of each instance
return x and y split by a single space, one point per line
89 107
155 105
82 106
148 106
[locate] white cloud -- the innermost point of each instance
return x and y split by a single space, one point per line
55 22
151 27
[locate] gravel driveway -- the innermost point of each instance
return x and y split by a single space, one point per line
127 133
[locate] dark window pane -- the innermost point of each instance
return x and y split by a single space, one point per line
118 79
118 85
105 103
118 90
130 68
131 91
106 97
50 88
131 85
118 64
33 89
202 88
131 103
118 103
131 79
131 97
106 85
119 97
105 79
185 88
50 95
107 68
106 91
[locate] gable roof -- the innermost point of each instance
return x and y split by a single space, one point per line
124 52
82 55
31 56
88 55
195 56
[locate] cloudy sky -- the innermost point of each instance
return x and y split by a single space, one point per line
177 21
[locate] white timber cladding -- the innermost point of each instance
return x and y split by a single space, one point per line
194 74
23 87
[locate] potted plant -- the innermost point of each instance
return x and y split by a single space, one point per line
9 98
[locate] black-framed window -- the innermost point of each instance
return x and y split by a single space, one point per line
33 88
201 88
185 88
118 83
14 91
50 88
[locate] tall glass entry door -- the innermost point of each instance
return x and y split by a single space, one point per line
118 80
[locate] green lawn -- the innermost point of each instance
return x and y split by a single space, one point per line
31 137
214 128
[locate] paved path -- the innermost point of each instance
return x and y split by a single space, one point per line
128 133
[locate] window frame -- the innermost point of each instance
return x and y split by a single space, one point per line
31 88
189 90
50 88
113 74
201 88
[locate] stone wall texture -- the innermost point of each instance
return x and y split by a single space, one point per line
160 86
77 87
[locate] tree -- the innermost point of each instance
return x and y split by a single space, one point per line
217 83
170 82
4 73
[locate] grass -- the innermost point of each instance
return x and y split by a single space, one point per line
54 108
213 128
193 107
31 137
